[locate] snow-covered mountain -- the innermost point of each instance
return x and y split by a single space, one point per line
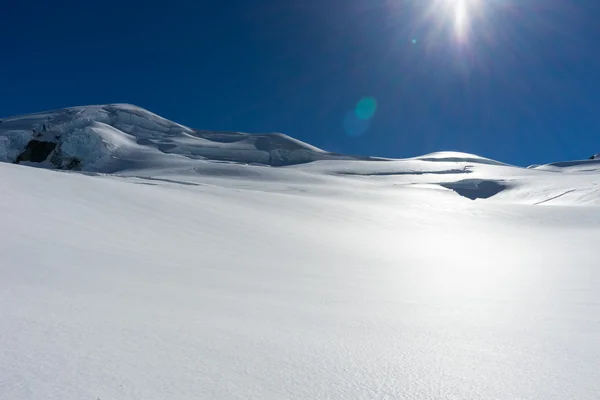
114 137
161 262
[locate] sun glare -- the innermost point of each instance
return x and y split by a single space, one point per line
461 12
460 18
436 21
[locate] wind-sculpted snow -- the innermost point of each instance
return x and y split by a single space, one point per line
163 262
231 281
476 188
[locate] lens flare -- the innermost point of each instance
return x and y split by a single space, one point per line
366 107
355 126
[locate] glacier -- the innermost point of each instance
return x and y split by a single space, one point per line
142 259
110 138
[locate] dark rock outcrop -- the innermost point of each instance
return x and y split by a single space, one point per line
36 151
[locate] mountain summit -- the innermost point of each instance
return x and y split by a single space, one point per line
109 138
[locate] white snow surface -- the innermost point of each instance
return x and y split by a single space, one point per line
445 276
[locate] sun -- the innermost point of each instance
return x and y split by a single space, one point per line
461 13
463 22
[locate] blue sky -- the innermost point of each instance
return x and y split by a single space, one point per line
518 80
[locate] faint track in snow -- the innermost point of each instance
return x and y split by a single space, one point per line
441 172
148 178
555 197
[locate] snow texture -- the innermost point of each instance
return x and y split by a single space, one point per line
161 271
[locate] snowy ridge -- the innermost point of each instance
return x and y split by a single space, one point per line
130 141
116 137
590 165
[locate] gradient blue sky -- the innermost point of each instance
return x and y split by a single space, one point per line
523 86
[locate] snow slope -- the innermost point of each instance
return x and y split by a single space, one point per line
446 276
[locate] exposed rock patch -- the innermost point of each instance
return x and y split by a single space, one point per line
36 151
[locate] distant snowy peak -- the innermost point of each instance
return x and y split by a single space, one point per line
122 137
455 156
109 138
588 165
